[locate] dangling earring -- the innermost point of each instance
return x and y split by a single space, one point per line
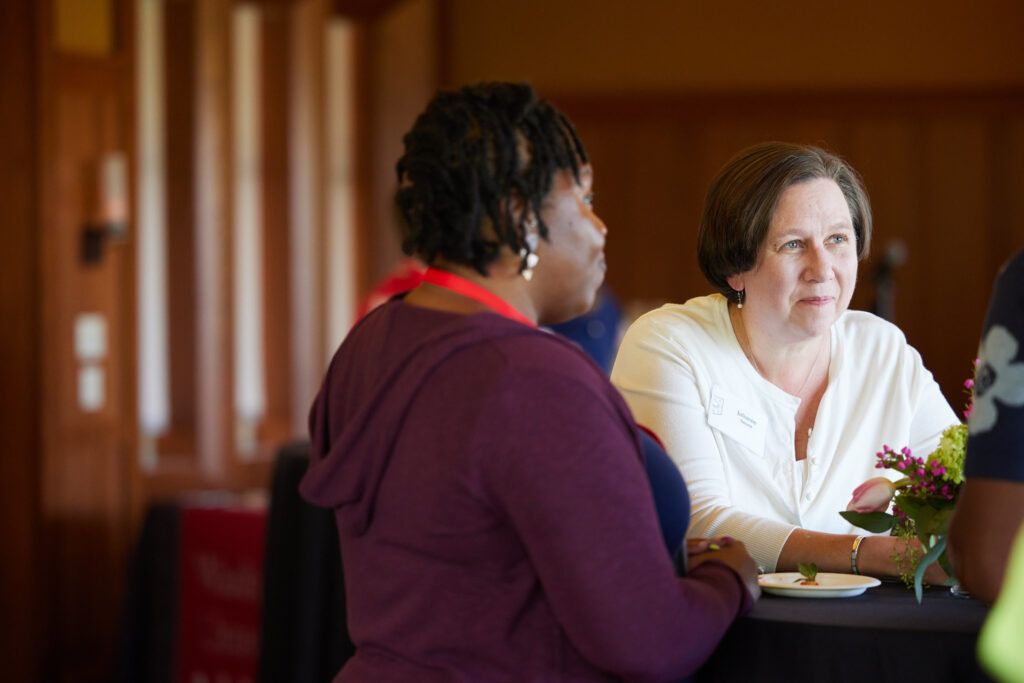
529 263
530 259
741 296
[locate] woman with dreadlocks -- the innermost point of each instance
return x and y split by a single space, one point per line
487 480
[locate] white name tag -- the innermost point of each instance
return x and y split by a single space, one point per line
740 422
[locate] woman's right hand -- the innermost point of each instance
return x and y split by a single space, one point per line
881 562
728 551
935 575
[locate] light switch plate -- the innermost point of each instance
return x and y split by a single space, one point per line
90 337
92 390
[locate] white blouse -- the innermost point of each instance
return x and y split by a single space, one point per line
731 431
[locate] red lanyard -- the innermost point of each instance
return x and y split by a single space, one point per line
468 288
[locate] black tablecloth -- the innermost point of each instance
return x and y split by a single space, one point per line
882 635
146 648
305 634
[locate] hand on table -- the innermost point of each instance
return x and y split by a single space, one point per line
728 551
935 575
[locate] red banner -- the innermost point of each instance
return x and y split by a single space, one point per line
220 594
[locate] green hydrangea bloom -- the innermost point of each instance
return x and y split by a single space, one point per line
950 453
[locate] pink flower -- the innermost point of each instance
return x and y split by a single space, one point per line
872 496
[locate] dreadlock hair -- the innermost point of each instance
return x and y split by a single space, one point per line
469 152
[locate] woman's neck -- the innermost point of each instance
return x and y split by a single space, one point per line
507 286
797 368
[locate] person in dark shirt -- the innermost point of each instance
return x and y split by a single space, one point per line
990 507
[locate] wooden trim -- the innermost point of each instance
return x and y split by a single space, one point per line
309 158
444 17
47 573
23 590
180 107
214 405
362 149
178 474
128 426
362 10
276 114
734 105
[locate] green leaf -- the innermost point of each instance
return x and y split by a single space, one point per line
925 520
808 571
932 555
933 521
948 568
875 522
909 506
940 523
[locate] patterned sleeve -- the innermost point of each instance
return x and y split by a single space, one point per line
995 441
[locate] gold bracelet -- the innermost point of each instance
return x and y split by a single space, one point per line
853 554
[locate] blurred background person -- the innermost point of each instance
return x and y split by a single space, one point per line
598 331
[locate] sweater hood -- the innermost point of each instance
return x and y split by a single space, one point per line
358 414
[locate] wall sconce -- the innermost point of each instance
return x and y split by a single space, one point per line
110 213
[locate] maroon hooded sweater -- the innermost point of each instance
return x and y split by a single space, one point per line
495 519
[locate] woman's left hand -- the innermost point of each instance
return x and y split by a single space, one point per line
730 552
696 546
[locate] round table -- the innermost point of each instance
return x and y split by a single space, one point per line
881 635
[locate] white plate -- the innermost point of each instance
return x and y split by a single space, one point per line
829 585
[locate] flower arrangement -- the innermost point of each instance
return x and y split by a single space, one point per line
922 500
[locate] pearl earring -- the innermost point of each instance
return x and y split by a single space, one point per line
527 253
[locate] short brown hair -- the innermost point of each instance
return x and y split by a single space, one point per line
742 198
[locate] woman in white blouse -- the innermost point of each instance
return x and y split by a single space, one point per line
771 396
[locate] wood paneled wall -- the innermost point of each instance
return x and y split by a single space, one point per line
70 475
276 39
610 46
20 585
73 458
945 171
403 69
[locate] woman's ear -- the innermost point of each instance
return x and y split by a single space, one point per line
522 215
736 282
